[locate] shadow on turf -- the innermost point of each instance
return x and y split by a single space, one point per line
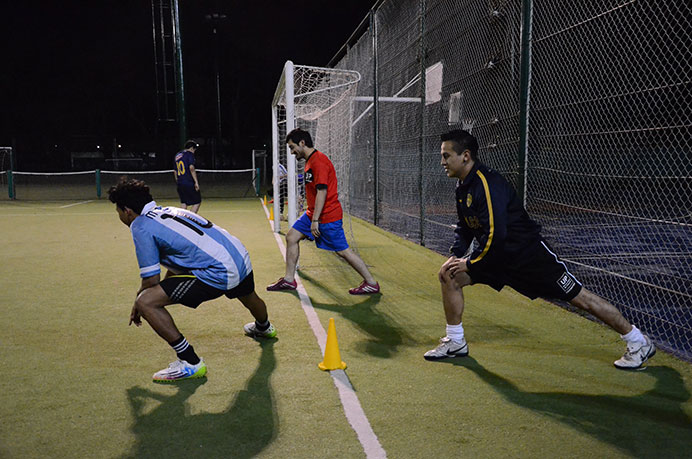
385 335
242 430
652 424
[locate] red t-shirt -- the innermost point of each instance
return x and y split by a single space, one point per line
320 171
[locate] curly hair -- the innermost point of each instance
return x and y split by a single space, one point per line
130 193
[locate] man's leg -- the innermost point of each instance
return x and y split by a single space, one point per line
454 343
293 239
257 307
639 347
288 282
194 208
603 310
358 264
452 294
151 305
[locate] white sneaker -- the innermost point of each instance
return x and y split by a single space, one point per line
636 354
448 349
251 330
180 369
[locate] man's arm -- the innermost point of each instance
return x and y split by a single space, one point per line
148 282
491 206
462 239
320 199
193 172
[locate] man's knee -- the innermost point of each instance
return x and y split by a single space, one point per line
294 236
150 299
344 253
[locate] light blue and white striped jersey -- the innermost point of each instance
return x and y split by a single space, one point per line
183 241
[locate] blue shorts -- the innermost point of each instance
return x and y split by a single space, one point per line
332 235
188 194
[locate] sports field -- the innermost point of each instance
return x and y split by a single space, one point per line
76 382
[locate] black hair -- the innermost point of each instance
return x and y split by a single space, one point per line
297 135
130 193
191 144
462 141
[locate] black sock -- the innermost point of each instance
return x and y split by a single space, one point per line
262 326
185 351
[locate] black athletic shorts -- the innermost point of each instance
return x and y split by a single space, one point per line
189 291
188 194
545 275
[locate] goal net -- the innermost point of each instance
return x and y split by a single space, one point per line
318 100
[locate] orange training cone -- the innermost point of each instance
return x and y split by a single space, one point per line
271 213
265 200
332 357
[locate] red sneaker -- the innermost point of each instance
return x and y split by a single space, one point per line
282 284
365 289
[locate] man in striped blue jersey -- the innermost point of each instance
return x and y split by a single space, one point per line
510 251
203 262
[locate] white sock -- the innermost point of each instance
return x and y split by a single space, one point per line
455 332
634 336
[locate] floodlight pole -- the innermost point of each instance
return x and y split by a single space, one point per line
215 19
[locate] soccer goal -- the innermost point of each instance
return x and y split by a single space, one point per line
319 100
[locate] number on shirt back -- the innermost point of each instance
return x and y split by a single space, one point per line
189 220
181 167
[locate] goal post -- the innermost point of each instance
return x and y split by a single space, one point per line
319 100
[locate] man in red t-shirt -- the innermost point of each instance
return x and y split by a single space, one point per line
323 219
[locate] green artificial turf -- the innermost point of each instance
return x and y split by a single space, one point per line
539 381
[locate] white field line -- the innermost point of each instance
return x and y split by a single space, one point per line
349 400
75 204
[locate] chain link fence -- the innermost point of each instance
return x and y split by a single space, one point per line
585 108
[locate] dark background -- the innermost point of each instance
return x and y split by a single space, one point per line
80 74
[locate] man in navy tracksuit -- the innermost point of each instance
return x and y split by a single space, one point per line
509 250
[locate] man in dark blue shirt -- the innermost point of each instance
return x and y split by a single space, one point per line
508 250
186 177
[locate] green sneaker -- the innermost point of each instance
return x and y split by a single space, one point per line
180 370
251 330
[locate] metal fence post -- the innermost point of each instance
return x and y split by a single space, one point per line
375 112
421 138
524 97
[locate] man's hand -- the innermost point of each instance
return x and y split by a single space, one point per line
135 318
445 267
196 186
457 265
315 229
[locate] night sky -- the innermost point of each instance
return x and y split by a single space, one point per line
77 72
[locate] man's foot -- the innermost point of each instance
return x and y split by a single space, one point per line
251 330
365 289
636 355
179 370
448 349
282 284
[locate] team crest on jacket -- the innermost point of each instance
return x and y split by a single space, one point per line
468 200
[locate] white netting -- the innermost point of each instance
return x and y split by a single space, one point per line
320 102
